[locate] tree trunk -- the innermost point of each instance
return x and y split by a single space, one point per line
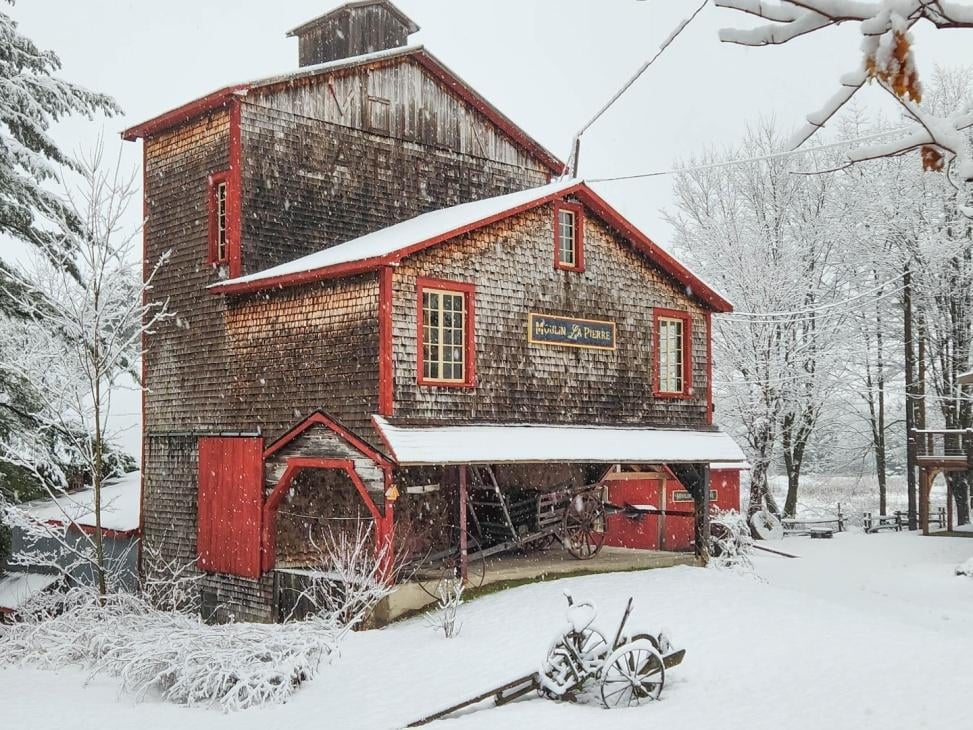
960 487
910 400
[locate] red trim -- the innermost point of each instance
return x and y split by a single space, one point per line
447 78
709 368
578 211
144 353
469 293
90 529
687 360
294 466
322 419
184 113
234 194
385 374
696 287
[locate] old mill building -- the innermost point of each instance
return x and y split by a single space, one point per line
391 307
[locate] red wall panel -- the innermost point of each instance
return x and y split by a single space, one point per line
230 505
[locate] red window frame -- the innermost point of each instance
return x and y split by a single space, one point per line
215 180
687 359
578 211
469 353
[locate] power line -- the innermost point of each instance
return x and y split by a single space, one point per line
572 166
745 160
756 317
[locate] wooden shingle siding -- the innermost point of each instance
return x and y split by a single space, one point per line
169 498
510 263
309 184
298 350
232 598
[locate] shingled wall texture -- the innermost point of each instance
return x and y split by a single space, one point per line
512 265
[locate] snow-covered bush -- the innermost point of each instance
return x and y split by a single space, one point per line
731 543
965 568
443 616
176 655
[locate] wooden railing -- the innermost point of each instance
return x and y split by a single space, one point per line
943 445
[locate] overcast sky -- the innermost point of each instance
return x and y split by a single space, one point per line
547 64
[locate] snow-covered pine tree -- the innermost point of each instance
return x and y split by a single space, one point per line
31 99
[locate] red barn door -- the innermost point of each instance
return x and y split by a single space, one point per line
230 505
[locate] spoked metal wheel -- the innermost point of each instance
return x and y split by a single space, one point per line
433 575
583 526
633 675
571 660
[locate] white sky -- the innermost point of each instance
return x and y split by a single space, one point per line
547 64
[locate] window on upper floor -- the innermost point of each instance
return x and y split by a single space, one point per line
673 371
219 242
445 333
568 237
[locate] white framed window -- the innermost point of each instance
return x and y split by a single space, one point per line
567 254
672 354
221 239
445 341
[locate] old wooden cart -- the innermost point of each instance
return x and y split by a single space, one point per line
495 522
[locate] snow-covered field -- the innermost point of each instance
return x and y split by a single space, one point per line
864 631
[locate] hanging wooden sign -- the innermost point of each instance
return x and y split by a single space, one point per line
548 329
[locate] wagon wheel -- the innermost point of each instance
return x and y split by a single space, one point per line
433 575
583 526
573 659
633 675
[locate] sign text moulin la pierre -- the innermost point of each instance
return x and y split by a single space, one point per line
546 329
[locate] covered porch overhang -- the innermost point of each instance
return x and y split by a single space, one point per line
530 443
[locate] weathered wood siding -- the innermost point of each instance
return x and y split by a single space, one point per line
511 264
419 109
309 184
298 350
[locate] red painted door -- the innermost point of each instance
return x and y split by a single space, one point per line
630 531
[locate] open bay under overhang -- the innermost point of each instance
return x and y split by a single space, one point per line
522 443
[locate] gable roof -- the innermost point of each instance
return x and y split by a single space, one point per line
222 97
390 245
402 17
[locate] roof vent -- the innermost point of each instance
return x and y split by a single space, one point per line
354 29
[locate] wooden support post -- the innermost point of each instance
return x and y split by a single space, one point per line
924 483
701 504
463 542
949 502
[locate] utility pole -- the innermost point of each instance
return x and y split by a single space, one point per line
910 397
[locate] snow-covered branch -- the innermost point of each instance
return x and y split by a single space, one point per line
888 59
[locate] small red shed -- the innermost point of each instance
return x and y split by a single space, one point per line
661 514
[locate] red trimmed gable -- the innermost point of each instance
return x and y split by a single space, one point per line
696 287
313 74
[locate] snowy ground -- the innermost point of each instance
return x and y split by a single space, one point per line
862 632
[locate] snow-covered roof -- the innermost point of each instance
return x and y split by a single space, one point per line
401 237
535 443
390 245
120 506
17 588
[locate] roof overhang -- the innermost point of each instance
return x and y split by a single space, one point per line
549 443
295 273
965 378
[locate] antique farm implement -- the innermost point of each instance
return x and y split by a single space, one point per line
497 522
629 671
582 665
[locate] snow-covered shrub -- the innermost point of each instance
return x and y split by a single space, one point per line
965 568
176 655
443 616
731 542
180 658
